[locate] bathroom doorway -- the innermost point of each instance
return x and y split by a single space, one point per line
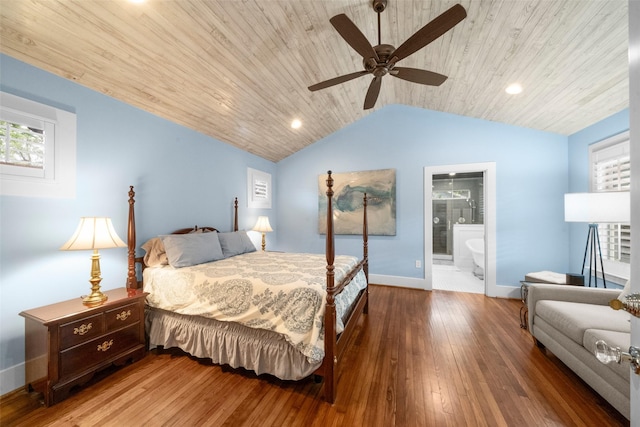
460 227
457 203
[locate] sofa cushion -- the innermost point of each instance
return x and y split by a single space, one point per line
613 339
573 319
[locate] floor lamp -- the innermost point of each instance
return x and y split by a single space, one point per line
594 209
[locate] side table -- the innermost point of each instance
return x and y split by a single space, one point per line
67 343
524 310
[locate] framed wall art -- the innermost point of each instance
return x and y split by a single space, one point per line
349 189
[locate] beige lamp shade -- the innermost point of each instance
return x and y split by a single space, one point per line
592 208
93 233
262 225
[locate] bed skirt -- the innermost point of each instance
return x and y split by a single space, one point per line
225 343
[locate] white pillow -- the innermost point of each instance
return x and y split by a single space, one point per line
155 253
184 250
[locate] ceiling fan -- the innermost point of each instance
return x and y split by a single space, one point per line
381 59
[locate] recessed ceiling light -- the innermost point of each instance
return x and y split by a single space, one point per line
136 1
296 124
513 89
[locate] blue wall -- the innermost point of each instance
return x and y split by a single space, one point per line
182 178
532 177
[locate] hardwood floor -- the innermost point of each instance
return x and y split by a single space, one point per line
419 359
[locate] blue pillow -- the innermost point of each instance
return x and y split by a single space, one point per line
184 250
235 243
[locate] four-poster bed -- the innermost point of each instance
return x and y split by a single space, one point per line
307 314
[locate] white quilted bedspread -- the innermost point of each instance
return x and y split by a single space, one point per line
282 292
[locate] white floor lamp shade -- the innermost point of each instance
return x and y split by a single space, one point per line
594 209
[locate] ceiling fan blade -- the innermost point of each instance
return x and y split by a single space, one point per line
430 32
352 35
418 76
337 80
372 93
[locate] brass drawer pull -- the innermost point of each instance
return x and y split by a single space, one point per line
124 315
105 345
83 329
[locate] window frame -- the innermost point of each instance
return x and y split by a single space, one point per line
620 144
58 177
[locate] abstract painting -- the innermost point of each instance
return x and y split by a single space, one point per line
348 189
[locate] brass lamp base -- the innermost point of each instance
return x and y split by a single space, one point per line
96 297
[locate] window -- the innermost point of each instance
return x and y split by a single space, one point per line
258 189
37 149
610 162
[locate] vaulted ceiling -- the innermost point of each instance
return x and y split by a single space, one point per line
239 70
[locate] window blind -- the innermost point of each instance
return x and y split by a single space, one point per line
611 171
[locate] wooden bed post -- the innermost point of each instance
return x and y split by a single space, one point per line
330 357
235 215
365 249
132 279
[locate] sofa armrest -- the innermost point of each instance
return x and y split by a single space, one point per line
541 291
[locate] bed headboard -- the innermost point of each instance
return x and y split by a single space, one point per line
132 276
195 229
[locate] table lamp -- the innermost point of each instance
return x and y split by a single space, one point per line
94 233
262 225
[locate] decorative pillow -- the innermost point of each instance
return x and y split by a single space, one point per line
184 250
625 291
235 243
156 254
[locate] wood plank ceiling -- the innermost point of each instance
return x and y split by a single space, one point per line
239 70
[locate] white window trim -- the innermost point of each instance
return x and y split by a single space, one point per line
59 180
615 271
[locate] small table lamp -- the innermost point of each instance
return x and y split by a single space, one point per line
262 225
94 233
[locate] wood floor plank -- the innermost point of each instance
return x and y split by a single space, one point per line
417 359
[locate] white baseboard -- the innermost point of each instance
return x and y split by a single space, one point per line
508 292
12 379
403 282
414 283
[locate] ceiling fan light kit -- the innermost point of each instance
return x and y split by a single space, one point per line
381 59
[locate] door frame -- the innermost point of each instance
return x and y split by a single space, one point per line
489 173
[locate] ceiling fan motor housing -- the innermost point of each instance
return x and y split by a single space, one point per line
379 5
382 66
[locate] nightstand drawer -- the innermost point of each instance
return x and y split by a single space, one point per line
81 330
122 316
94 352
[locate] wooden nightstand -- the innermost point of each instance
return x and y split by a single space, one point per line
67 343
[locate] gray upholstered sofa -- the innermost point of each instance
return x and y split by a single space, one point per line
568 320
